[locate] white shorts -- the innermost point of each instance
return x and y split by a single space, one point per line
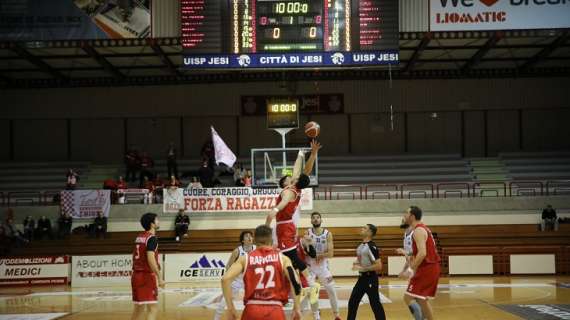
320 272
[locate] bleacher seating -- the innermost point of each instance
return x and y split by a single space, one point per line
537 165
402 168
36 176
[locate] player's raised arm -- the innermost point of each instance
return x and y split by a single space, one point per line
286 197
233 272
315 146
298 166
232 259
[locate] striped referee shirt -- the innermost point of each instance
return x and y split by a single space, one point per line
367 253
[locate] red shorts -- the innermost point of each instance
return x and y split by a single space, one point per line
423 285
286 236
263 312
145 290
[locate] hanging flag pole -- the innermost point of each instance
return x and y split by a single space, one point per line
223 153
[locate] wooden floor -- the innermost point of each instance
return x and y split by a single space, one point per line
458 298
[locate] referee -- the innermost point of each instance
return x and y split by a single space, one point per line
368 266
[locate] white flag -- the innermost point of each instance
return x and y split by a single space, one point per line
223 153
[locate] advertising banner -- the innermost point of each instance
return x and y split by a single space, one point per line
37 270
100 271
29 20
228 199
463 15
85 204
195 267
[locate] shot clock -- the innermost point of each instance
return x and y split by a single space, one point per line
282 113
288 33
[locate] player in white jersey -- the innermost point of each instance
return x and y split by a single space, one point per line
322 240
407 272
246 239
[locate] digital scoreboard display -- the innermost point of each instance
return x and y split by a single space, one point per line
282 113
282 34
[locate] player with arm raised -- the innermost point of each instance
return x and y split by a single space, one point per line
288 206
268 277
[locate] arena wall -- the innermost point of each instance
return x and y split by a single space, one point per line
475 118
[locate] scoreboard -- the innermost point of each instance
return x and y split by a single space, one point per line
289 33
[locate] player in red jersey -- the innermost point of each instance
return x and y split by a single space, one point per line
145 279
287 207
268 276
424 264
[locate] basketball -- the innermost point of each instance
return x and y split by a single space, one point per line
312 129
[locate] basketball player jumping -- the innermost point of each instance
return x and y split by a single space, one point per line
145 279
406 272
322 239
287 207
268 276
424 264
246 239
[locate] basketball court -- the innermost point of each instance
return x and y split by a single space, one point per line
466 298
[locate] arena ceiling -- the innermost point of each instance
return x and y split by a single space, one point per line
482 54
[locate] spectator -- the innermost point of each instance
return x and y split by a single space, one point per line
12 234
146 167
29 226
121 184
239 174
110 184
100 225
64 225
181 224
43 229
171 163
549 219
195 184
158 186
149 185
72 178
206 175
209 153
247 179
173 183
131 164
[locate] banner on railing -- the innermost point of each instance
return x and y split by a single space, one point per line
37 270
227 199
85 204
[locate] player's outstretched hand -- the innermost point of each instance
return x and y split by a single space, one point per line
315 146
401 251
161 283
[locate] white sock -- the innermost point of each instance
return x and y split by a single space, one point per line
220 309
332 297
316 315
